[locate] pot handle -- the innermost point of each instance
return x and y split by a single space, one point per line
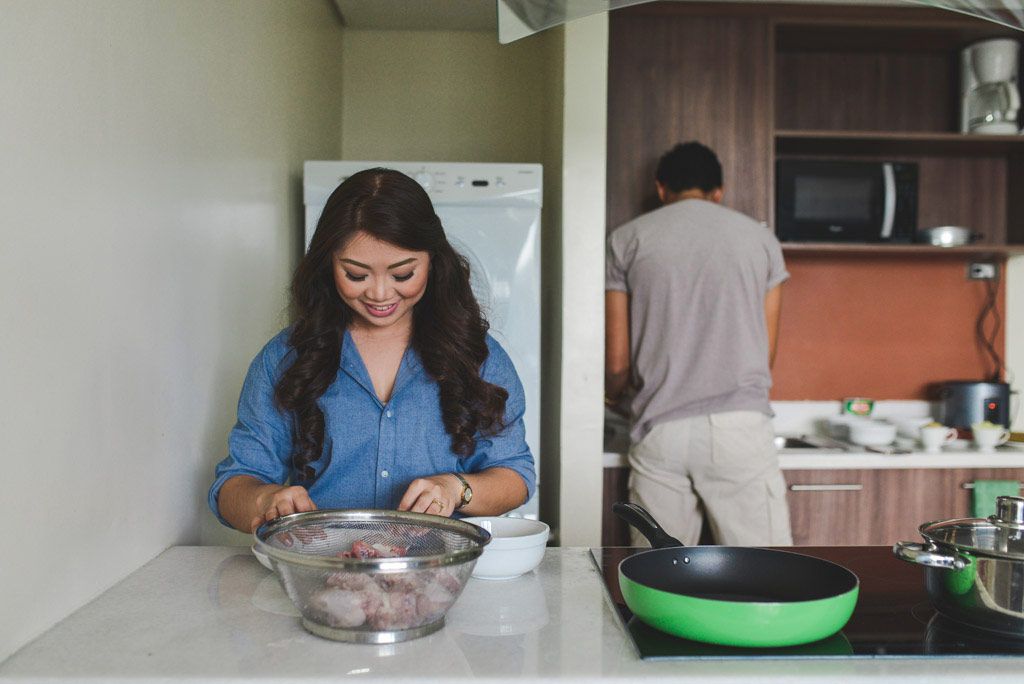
928 556
638 517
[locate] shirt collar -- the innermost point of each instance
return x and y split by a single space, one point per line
352 364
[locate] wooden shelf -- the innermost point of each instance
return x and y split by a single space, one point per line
895 142
876 249
947 32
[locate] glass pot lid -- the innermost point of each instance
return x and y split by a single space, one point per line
1001 535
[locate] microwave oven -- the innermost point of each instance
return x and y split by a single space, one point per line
845 201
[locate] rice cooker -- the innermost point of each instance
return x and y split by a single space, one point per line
966 402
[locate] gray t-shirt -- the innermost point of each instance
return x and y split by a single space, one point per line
696 274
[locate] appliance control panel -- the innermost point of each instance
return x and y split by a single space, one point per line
463 183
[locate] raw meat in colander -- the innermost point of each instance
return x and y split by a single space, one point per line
337 607
365 588
363 550
384 601
397 610
433 601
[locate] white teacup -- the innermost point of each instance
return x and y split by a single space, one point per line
988 438
934 437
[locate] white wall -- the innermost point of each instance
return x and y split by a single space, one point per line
461 96
445 96
150 209
582 320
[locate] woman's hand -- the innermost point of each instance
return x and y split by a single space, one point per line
274 501
437 494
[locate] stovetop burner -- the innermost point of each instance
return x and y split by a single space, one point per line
893 617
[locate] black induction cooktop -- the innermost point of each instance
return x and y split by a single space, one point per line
893 617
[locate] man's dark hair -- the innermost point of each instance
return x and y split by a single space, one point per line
689 165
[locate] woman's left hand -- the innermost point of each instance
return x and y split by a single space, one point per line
437 494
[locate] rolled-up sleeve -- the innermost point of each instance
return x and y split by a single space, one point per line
260 443
508 449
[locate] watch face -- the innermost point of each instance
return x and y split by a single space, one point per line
467 495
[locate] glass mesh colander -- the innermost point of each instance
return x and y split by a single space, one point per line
371 600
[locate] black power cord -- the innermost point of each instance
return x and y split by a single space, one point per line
988 341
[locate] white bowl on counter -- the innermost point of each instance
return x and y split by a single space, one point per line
516 547
874 433
839 426
910 426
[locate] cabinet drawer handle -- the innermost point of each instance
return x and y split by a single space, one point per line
826 487
970 485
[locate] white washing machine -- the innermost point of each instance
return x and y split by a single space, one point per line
491 215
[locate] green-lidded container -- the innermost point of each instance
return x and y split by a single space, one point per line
858 406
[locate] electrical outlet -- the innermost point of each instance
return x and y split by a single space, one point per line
982 271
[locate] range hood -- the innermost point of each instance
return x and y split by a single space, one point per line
520 18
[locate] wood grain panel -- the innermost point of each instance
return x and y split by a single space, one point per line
866 91
678 78
1015 201
878 326
614 532
889 508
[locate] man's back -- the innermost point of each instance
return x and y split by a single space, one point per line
697 274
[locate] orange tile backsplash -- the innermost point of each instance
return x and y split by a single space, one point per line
881 326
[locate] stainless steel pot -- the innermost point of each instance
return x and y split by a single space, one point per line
946 236
974 568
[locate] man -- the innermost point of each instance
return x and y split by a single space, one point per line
693 292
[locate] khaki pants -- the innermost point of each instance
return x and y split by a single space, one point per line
724 464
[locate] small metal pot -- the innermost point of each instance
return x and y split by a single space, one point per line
946 236
974 568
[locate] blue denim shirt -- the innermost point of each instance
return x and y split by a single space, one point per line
372 450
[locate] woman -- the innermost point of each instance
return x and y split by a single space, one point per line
387 391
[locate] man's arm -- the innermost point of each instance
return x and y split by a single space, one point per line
616 343
772 311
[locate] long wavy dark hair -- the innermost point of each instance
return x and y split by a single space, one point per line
449 331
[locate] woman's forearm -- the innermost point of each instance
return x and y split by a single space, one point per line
237 501
496 490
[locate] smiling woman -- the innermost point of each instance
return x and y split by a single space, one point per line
387 392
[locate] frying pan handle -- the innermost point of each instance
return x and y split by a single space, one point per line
638 517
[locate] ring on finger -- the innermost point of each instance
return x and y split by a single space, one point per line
440 505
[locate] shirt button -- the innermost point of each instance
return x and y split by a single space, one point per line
383 473
389 414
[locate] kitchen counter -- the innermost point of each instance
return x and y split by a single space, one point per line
214 614
796 418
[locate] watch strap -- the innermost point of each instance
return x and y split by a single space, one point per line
467 491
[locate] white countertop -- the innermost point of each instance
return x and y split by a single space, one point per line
797 418
214 614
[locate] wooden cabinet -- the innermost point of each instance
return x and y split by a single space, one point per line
886 89
848 507
858 507
765 82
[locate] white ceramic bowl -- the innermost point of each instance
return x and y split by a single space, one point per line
872 433
839 426
910 426
517 547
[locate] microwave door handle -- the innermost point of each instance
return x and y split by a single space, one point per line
889 215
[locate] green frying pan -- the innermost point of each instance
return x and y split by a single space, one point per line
732 595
